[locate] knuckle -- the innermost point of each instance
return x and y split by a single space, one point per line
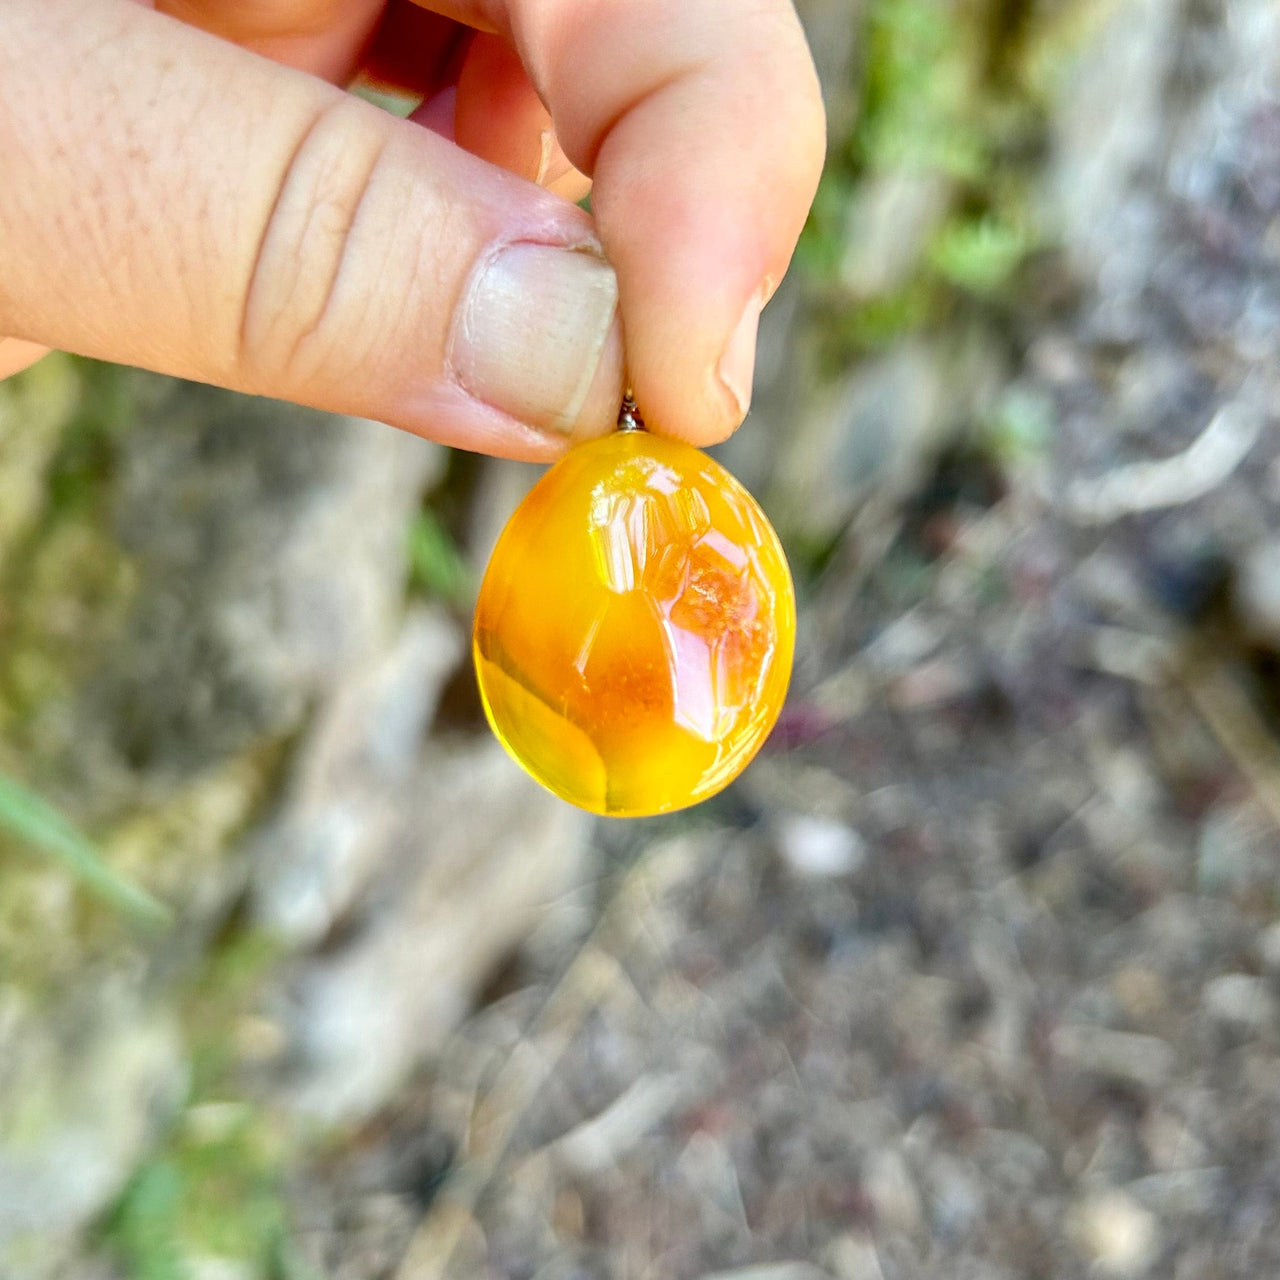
287 323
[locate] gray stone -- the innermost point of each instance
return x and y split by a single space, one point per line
1133 1059
818 847
853 1257
867 435
271 544
1181 1192
1115 1234
77 1113
893 1194
772 1271
1234 850
354 777
478 850
1257 592
1242 1001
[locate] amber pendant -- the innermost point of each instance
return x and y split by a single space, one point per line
635 627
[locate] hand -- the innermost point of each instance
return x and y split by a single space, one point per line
188 191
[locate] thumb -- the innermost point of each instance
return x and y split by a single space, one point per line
172 201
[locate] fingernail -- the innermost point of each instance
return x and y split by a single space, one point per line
737 365
530 331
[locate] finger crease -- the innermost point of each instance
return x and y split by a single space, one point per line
282 189
343 236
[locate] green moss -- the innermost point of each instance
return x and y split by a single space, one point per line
65 585
217 1198
437 565
945 93
980 254
216 1186
35 407
206 1197
921 90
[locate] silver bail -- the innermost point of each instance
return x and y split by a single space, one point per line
629 418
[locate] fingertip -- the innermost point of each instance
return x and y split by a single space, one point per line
700 222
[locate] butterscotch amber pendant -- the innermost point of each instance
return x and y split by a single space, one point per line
635 627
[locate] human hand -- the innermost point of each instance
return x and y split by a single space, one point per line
170 200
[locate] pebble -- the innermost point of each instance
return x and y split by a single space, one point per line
1269 947
893 1194
1115 1234
772 1271
1118 1055
1228 853
1181 1192
216 1268
1242 1001
853 1257
819 848
955 1197
1258 592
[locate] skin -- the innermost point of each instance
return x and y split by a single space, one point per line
155 210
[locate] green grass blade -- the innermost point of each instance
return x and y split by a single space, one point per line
32 820
436 561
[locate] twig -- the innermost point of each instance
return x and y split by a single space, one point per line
1147 486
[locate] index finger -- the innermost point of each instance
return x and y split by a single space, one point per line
702 125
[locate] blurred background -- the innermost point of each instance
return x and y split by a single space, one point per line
974 974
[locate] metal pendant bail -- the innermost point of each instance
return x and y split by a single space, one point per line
629 418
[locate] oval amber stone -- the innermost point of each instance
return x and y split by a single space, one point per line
635 627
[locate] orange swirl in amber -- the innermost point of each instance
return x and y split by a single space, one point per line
635 628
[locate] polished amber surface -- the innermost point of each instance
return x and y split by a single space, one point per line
635 627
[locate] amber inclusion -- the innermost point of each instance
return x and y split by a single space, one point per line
635 627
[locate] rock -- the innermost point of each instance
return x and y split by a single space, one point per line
867 437
1269 947
1012 1162
225 564
1257 592
1234 849
893 1194
709 1178
955 1196
1169 1142
224 642
1141 993
476 851
353 778
1131 1059
210 1267
853 1257
1242 1002
1181 1193
1108 124
599 1144
888 227
771 1271
85 1111
1115 1234
819 848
